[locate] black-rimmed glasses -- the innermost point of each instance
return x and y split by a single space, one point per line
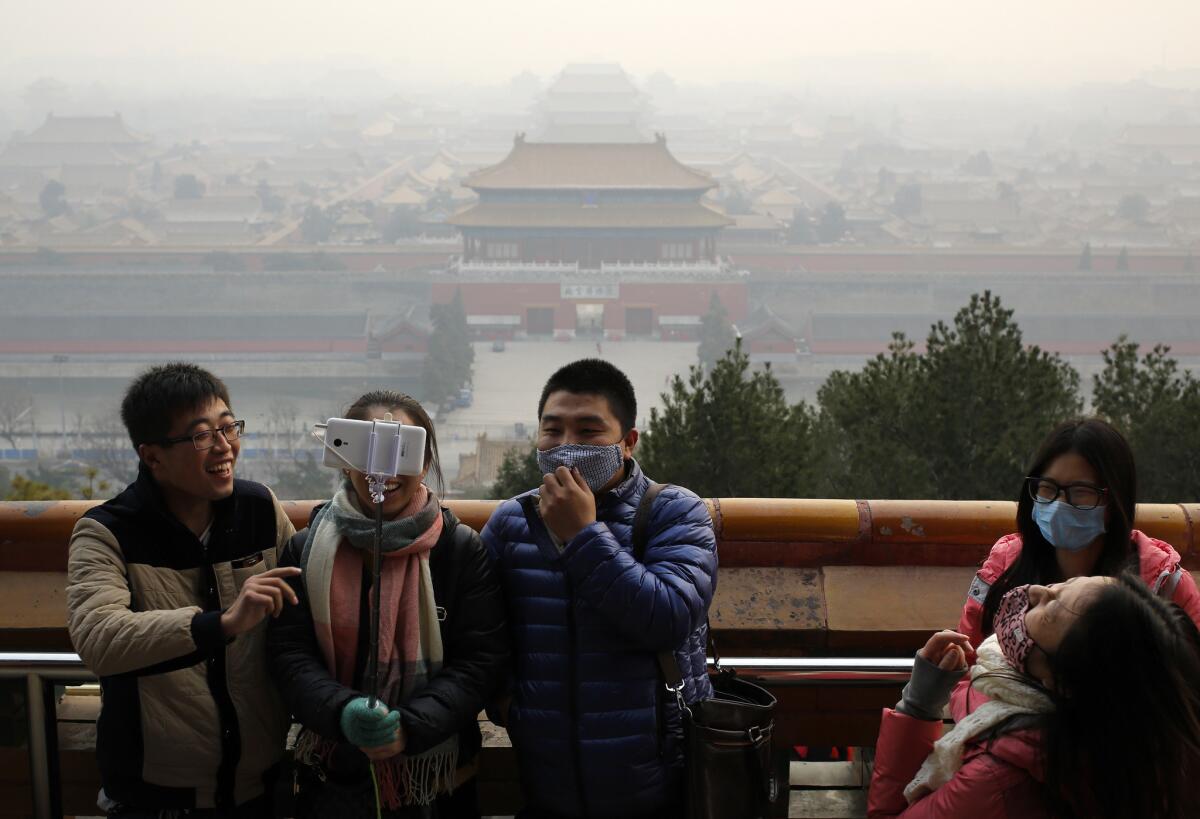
207 438
1080 495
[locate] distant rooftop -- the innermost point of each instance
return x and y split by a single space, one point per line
593 133
616 216
1161 136
598 78
589 166
105 130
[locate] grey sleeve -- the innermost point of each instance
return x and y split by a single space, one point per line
928 690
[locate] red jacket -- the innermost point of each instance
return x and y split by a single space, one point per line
1159 564
999 778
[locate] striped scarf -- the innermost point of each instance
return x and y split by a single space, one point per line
410 641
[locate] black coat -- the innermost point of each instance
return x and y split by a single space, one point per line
475 650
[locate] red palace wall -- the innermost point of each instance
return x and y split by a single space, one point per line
662 298
771 345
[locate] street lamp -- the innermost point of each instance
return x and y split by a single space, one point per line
60 360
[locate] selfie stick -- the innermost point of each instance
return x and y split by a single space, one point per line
377 476
376 482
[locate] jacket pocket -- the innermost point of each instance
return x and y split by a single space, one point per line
179 736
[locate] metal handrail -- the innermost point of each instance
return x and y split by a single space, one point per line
65 665
38 668
47 665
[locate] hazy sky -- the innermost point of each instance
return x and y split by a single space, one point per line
1054 42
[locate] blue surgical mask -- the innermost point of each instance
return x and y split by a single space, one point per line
597 464
1066 527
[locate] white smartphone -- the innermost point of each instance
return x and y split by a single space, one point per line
398 449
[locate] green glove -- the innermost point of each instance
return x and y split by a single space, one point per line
369 727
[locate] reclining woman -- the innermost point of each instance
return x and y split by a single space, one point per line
1083 703
442 645
1075 519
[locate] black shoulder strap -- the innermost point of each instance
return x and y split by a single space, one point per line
531 515
668 667
641 520
532 519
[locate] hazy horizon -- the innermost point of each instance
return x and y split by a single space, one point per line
271 46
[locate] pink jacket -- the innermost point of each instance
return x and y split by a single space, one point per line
1160 570
999 779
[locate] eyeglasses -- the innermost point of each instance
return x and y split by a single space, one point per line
207 438
1080 495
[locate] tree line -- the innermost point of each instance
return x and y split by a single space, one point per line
956 420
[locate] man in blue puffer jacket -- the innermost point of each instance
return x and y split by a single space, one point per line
595 732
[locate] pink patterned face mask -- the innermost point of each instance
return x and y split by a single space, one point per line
1009 624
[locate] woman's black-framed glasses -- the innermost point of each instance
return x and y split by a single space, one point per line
1080 495
207 438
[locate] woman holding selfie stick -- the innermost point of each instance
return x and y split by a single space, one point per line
442 645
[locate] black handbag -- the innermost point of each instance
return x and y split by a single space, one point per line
727 737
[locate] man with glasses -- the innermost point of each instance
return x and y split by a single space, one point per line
168 588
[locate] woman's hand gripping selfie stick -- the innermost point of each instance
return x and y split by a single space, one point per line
377 479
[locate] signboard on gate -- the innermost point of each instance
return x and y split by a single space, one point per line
589 290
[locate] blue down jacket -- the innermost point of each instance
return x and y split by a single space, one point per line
594 732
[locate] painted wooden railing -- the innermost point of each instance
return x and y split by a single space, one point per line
799 578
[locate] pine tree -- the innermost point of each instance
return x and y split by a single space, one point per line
958 421
716 333
1085 258
450 356
1155 404
730 432
518 473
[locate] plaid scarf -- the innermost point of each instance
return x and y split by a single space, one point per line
410 641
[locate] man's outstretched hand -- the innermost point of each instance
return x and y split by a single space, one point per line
261 595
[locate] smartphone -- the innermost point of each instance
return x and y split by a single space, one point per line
399 449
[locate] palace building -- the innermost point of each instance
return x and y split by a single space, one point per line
607 240
592 103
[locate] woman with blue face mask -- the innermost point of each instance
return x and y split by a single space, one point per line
1075 519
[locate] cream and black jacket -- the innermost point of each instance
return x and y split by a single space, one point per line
189 719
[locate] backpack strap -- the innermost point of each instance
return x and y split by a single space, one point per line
533 518
668 667
641 521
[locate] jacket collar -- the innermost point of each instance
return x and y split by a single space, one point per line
150 501
627 493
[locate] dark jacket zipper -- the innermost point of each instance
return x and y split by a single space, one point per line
660 716
573 697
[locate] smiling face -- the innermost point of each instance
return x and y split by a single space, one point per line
188 474
399 489
1052 611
